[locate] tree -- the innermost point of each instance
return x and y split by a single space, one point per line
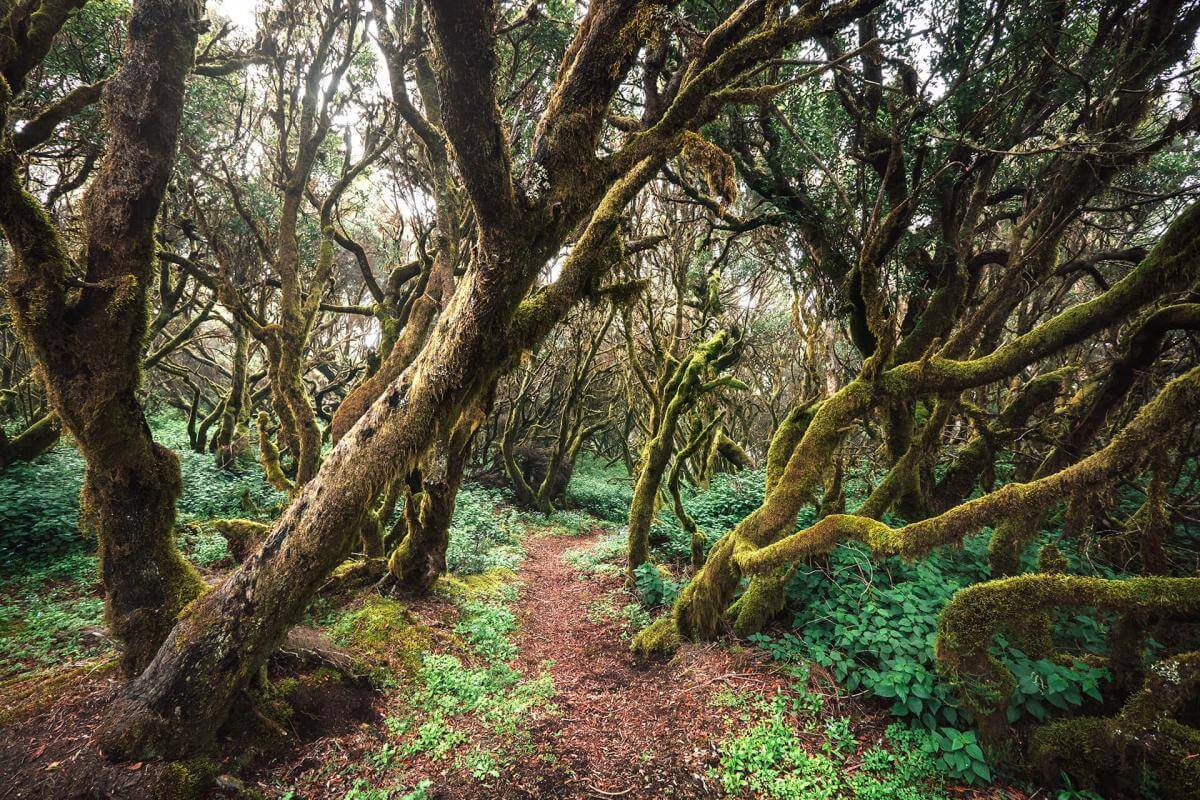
176 705
86 327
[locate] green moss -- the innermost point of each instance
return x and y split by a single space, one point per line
242 535
382 632
1021 605
268 456
659 640
474 587
762 601
187 780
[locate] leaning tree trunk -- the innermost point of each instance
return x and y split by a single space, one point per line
90 346
176 706
30 443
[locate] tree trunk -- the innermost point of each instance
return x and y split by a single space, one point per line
176 706
31 442
420 559
90 346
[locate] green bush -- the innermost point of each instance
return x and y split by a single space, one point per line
39 500
729 499
872 623
773 758
484 533
603 492
39 506
654 589
48 612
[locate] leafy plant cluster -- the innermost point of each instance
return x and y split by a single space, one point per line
39 506
603 492
484 533
788 752
39 500
49 615
873 625
655 586
449 686
729 499
604 557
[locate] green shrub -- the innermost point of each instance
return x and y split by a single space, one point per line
486 626
605 557
484 533
605 493
39 506
39 500
48 613
773 758
654 588
729 499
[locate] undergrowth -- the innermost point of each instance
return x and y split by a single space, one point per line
788 746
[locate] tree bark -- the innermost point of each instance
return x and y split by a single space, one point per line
90 346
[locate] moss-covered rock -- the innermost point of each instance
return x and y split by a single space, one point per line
382 632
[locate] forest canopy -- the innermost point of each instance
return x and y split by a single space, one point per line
497 380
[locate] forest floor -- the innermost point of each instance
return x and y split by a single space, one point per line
501 685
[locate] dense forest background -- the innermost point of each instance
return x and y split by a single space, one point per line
466 398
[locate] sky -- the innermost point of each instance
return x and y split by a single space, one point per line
241 12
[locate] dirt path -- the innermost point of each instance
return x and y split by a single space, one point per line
625 730
620 729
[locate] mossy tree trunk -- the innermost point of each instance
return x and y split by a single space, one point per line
232 432
177 704
89 343
696 375
41 435
420 558
1170 267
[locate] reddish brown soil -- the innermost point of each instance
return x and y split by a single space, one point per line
626 729
48 749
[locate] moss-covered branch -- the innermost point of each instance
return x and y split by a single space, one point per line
1099 752
690 379
974 462
1179 400
1021 605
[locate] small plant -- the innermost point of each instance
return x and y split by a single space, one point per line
382 758
483 533
436 737
635 617
480 763
839 738
363 790
654 588
398 726
486 628
600 611
605 557
731 699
